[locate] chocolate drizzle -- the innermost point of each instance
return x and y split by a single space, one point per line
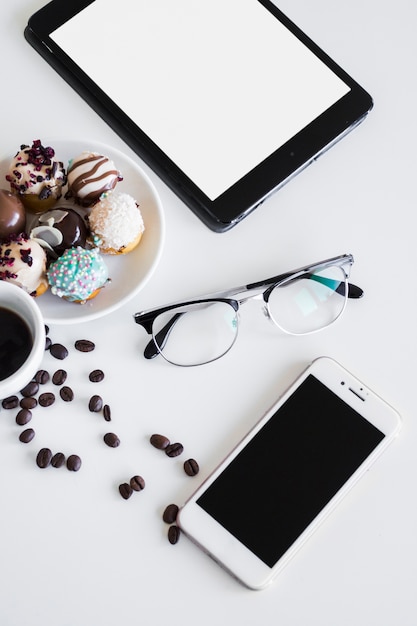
89 176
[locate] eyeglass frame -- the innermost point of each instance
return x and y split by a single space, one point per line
262 288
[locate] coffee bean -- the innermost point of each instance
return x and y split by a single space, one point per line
28 403
27 435
170 514
58 351
137 483
23 417
84 345
174 449
107 413
160 441
46 329
73 462
95 404
59 377
58 459
191 467
10 403
125 491
31 389
96 376
43 458
111 440
46 399
41 377
48 343
173 534
66 394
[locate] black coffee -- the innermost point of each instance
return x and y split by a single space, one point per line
15 342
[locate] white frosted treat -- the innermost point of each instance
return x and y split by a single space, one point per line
36 176
23 263
117 223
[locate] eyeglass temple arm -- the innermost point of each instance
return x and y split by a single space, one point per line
151 349
353 290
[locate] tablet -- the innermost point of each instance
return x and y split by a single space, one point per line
226 100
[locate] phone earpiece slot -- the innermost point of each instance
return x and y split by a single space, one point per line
357 394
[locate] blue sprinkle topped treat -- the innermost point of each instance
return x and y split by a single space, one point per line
78 275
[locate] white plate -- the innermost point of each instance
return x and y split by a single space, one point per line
129 273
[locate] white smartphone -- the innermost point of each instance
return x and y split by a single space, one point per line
269 495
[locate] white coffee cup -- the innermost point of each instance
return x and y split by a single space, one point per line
16 300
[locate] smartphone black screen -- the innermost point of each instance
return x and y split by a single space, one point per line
275 487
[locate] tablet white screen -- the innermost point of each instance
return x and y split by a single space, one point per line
217 85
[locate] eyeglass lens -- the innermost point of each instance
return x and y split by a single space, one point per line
310 302
196 334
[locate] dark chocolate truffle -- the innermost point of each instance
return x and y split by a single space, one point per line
12 214
71 227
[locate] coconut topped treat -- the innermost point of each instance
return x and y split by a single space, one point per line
116 223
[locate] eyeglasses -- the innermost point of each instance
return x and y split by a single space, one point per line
195 332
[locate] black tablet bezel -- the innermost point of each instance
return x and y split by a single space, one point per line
241 198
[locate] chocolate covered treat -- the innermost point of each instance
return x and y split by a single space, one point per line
60 229
12 214
89 176
36 176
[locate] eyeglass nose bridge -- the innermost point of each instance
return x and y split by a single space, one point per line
267 314
265 307
263 296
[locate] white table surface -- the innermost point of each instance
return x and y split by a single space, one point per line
72 550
